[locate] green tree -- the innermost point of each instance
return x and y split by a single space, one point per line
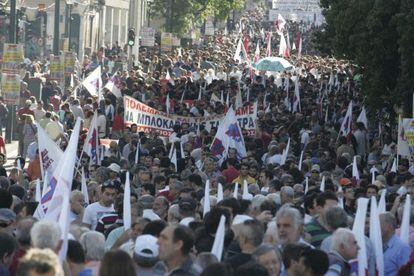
378 36
184 14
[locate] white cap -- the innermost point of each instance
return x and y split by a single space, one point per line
239 219
146 246
186 221
150 214
114 167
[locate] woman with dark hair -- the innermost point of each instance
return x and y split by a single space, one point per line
117 262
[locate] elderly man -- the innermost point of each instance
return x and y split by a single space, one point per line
343 249
160 207
250 237
289 223
175 243
396 253
77 206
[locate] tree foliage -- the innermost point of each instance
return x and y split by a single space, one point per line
188 13
379 36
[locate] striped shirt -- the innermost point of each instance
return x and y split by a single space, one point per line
317 232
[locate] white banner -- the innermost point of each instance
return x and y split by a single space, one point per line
147 37
149 119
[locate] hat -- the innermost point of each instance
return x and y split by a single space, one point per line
187 204
239 219
316 168
114 167
146 246
7 215
186 221
345 182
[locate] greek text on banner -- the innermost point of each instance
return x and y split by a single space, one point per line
149 119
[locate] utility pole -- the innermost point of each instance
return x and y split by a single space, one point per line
56 28
13 22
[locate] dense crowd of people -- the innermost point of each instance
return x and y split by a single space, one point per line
287 225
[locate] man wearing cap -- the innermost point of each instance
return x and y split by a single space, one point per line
187 208
114 171
315 172
146 254
104 206
175 243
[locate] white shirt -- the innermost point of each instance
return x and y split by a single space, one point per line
77 111
94 212
101 123
39 114
304 138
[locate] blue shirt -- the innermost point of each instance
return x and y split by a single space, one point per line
396 254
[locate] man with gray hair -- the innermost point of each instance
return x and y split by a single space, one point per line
344 248
145 204
77 206
46 234
250 237
289 223
336 218
286 195
93 244
396 252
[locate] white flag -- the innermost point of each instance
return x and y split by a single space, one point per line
229 135
61 181
300 47
38 195
403 147
127 203
110 85
322 187
283 49
219 192
381 203
167 103
84 187
236 190
375 236
93 82
246 194
269 45
90 147
173 155
362 118
206 203
280 23
359 232
49 152
218 245
300 161
306 185
394 166
355 172
405 224
346 123
285 153
296 99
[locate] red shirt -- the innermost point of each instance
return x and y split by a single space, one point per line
16 258
118 123
167 195
230 174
